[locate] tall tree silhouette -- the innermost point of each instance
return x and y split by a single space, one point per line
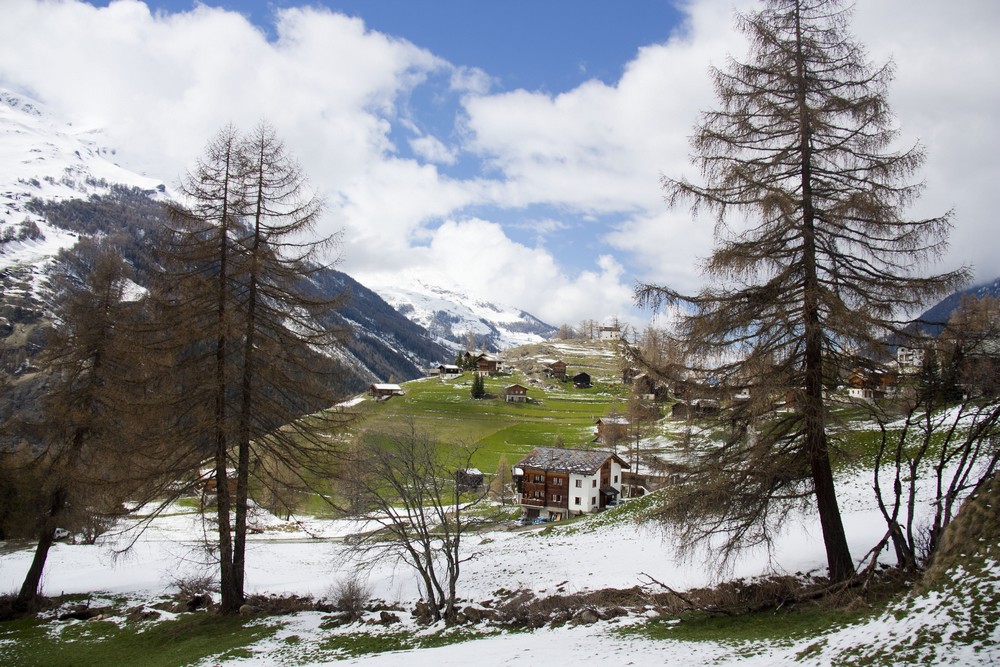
814 259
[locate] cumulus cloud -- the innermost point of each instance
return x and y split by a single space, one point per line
432 149
485 261
340 96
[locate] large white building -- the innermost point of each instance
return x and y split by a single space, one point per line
554 483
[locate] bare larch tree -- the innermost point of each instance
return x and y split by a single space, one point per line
814 260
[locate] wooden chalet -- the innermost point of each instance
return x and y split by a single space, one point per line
516 393
487 364
448 370
556 370
699 407
648 387
581 381
553 483
469 479
384 391
609 429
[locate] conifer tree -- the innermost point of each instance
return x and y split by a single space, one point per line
83 430
814 260
236 298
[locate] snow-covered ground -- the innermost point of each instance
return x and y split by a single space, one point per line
311 558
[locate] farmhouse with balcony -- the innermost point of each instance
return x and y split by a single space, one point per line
554 484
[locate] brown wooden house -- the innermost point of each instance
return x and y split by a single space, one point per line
556 370
516 393
554 483
384 391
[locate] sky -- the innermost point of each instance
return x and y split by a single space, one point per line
514 149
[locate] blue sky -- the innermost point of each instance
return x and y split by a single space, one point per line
536 44
524 141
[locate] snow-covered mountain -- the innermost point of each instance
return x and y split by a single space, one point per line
450 314
58 183
44 158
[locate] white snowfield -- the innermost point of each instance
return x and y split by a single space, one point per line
311 558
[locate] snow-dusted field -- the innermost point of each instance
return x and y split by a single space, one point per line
311 557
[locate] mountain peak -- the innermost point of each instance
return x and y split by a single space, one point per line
451 314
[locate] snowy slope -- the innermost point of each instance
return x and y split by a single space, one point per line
44 158
450 313
311 557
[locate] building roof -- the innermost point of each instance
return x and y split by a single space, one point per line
613 420
386 387
581 461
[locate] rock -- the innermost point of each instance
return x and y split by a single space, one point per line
388 618
247 610
423 613
136 614
200 601
585 617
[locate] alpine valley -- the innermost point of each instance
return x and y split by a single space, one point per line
59 183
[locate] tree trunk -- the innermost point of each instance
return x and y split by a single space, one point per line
28 594
838 553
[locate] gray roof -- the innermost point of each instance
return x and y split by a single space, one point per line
580 461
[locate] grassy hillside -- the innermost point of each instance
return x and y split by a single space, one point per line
555 410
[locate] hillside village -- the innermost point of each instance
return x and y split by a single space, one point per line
641 440
218 448
573 457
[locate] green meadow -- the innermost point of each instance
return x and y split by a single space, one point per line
556 412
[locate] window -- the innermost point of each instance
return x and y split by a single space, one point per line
593 501
616 479
593 483
556 498
576 500
579 483
539 478
558 481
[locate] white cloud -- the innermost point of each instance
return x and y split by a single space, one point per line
432 149
484 260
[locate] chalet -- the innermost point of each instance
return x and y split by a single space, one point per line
449 370
516 393
384 391
554 483
556 370
480 362
647 387
611 429
469 479
868 385
699 407
581 381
